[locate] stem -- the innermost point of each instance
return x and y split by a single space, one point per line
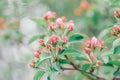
76 68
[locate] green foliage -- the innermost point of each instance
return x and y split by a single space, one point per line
38 75
115 59
117 49
35 38
40 22
76 37
116 73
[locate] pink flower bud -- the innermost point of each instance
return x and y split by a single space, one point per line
92 56
71 25
49 15
118 36
116 28
60 23
112 32
94 42
51 26
48 46
32 65
54 39
87 50
88 43
36 54
116 12
65 39
99 63
59 48
41 41
63 18
38 51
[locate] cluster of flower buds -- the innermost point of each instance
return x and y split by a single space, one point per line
49 15
60 23
117 13
90 46
36 56
52 44
115 31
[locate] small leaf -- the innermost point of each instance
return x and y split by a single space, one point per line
69 52
110 40
117 49
81 57
35 38
116 73
38 75
76 37
86 67
48 78
64 61
40 22
42 60
53 69
117 63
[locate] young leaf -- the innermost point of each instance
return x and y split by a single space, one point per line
86 67
117 49
117 63
48 78
116 73
64 61
40 22
35 38
38 75
81 57
42 60
69 52
76 37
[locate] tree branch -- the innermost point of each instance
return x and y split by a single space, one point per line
76 68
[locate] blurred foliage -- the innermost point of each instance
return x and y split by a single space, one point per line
90 21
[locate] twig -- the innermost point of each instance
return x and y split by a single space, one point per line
76 68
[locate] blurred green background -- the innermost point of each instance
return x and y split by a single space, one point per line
16 28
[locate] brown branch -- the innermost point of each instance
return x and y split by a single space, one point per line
76 68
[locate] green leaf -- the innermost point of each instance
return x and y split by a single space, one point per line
40 22
81 57
76 37
64 61
35 38
53 69
86 67
40 61
69 52
116 73
110 40
48 78
117 49
38 75
114 59
117 63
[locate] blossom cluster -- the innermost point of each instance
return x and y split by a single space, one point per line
51 45
116 31
90 46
